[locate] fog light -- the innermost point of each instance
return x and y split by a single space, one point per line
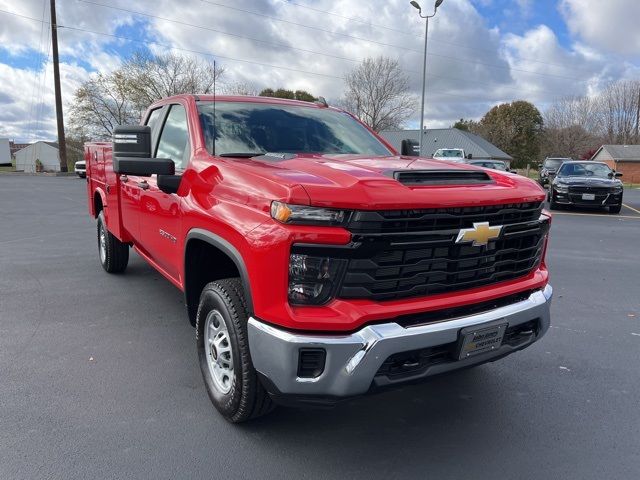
313 280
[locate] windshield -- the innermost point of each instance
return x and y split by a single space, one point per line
599 170
554 162
253 128
448 153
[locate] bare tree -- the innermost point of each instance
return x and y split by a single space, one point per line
377 92
118 98
100 104
151 77
239 88
620 112
573 126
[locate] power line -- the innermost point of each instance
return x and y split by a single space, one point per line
277 19
404 32
236 35
37 76
311 51
208 54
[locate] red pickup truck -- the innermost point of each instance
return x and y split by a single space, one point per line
317 263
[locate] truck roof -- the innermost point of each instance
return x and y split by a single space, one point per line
241 98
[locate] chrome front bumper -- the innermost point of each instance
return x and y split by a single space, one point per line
353 360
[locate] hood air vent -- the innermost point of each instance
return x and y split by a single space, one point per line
441 177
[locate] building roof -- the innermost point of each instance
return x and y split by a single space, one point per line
621 152
435 138
29 145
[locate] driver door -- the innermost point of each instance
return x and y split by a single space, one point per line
161 224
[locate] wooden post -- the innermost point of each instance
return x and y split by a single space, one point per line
62 144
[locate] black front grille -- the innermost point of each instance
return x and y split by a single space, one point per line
411 253
430 266
596 190
436 219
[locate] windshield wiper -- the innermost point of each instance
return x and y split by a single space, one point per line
242 155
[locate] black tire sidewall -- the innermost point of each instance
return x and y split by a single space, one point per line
102 226
229 403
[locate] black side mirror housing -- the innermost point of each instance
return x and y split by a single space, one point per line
132 153
132 141
145 167
618 174
169 183
469 156
410 148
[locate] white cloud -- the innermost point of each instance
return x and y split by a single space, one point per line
470 66
610 25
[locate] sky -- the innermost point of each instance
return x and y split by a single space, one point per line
480 52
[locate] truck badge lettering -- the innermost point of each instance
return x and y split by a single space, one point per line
168 236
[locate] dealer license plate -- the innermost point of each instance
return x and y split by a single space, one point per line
480 339
588 196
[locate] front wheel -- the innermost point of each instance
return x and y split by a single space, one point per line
552 203
223 353
615 208
114 255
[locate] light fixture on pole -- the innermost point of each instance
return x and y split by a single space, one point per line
417 6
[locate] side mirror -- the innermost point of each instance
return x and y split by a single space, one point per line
132 153
410 148
469 156
618 174
145 167
132 141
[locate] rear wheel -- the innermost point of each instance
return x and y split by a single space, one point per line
114 255
553 205
615 208
223 353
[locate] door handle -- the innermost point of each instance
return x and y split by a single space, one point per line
143 185
124 178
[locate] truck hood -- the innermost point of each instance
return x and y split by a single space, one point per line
362 182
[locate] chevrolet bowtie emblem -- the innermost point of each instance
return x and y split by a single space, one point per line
480 234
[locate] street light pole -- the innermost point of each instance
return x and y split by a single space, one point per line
424 62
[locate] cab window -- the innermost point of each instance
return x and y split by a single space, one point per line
174 139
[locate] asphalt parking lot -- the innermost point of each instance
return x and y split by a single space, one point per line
99 378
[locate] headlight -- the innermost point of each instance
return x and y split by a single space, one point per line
562 188
305 215
616 189
313 280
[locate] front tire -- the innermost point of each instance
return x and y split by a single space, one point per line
114 255
223 353
552 203
615 208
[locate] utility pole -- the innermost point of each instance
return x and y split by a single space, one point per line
62 144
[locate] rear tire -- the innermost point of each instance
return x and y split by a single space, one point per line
223 353
114 255
615 208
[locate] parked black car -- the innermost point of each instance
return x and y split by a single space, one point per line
549 168
587 184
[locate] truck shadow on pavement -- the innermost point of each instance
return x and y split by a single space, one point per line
412 423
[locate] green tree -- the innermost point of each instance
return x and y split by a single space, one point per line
515 128
466 125
290 94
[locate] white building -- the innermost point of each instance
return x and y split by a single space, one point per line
46 152
5 152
